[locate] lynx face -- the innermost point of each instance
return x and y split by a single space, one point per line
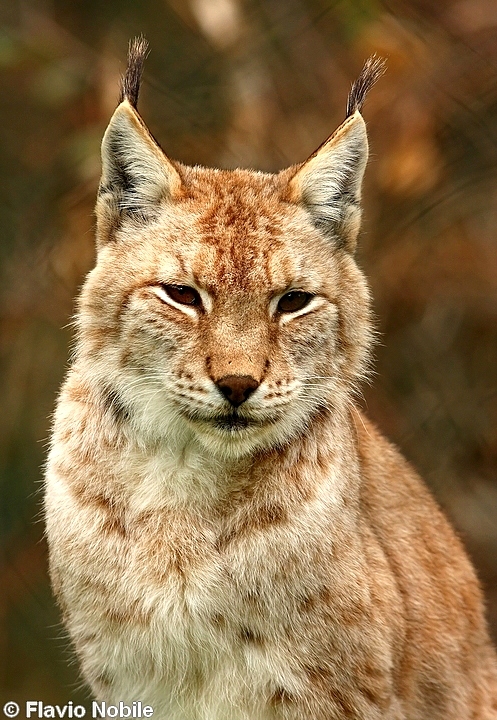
235 310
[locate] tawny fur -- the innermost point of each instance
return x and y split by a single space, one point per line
280 560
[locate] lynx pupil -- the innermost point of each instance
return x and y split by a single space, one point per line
293 301
182 294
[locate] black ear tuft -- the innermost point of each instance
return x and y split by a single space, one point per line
373 69
130 83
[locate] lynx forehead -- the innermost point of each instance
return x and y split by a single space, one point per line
229 536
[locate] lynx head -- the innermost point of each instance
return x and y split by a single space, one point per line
225 307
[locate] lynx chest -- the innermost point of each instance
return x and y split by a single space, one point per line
209 615
167 609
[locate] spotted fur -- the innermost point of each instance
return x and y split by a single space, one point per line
273 559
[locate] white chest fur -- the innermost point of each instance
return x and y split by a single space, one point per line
166 610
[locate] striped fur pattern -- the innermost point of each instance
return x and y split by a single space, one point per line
230 538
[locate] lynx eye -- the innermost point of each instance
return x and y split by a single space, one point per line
293 301
183 294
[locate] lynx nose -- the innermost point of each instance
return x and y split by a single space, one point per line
237 388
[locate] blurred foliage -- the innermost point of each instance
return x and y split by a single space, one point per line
255 83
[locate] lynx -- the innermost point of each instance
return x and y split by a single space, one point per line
230 538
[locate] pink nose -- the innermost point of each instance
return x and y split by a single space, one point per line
237 388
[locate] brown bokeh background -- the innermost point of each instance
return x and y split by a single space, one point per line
255 83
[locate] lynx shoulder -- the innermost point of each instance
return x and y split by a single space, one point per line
229 536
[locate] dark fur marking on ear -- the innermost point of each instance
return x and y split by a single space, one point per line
321 219
130 83
324 226
373 69
121 185
120 180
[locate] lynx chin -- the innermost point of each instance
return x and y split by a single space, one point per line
230 538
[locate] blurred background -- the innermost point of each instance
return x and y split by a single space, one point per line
257 83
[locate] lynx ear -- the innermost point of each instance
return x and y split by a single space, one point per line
136 175
329 183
